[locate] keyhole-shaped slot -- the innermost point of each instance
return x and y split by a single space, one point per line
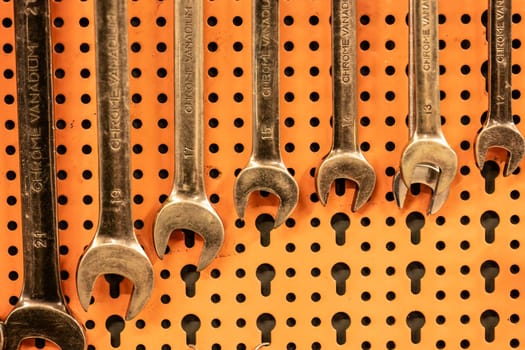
415 321
484 72
341 322
415 222
265 273
264 224
340 223
340 273
189 238
115 325
489 271
490 172
340 187
415 189
489 221
190 276
415 271
114 284
489 319
191 324
266 323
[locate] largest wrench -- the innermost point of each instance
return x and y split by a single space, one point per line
115 249
427 158
41 311
499 129
265 170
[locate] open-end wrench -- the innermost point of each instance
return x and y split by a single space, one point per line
41 311
427 158
115 248
266 170
187 206
499 129
425 174
345 159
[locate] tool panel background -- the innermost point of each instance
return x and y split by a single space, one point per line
328 278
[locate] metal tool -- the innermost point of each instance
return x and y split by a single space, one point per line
266 170
345 159
427 158
187 206
115 248
41 311
499 129
425 174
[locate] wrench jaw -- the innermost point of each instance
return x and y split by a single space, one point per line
505 136
349 166
41 320
127 259
429 153
270 178
427 175
2 335
181 212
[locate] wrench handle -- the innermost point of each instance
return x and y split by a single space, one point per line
189 105
113 117
500 61
36 146
424 107
265 61
344 46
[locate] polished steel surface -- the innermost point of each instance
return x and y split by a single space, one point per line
345 160
266 170
187 206
427 158
41 311
499 129
115 248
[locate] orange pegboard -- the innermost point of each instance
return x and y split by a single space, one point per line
228 303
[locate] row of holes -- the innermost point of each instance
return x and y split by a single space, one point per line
340 222
340 322
415 321
237 21
288 97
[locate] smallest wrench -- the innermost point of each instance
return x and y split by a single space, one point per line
499 129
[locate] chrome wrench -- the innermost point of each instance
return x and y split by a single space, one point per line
187 206
499 129
345 159
427 158
266 170
115 248
41 311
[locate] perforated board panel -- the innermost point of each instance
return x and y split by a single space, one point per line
228 303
